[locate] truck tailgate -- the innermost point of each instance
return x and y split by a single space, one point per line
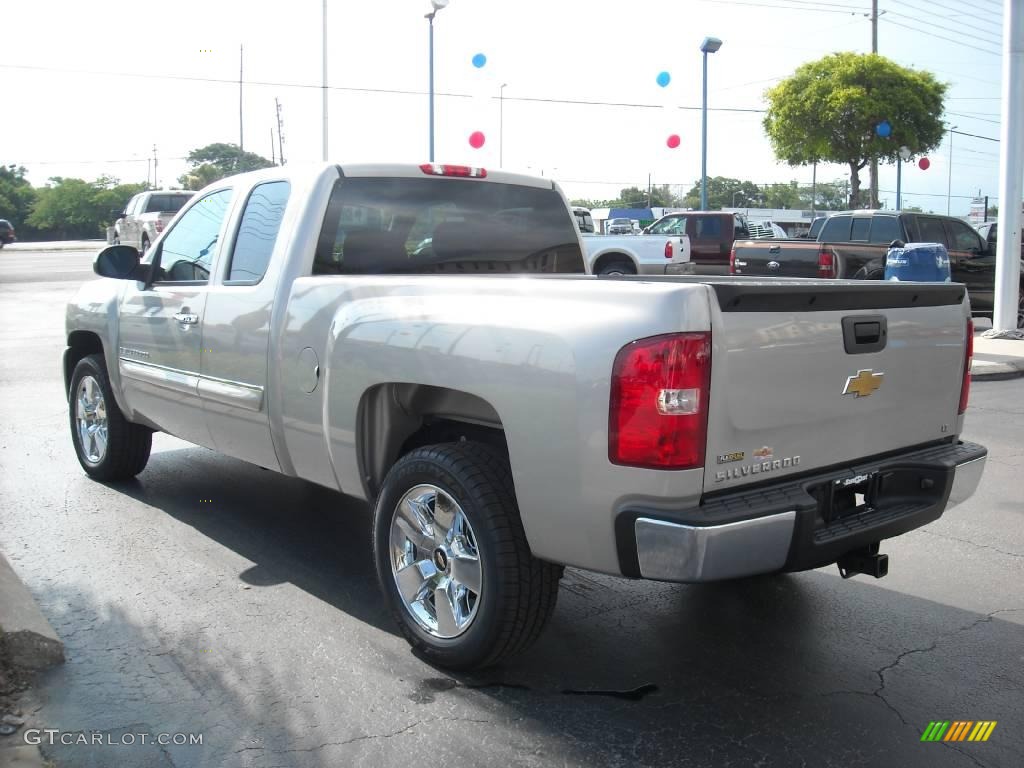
788 258
811 374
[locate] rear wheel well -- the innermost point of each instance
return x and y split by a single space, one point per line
395 419
80 344
615 257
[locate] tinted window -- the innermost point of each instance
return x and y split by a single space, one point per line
860 229
709 227
671 225
166 203
815 228
962 237
429 225
258 230
931 231
885 229
187 251
836 230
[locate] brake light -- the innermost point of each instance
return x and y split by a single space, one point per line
159 226
668 249
965 386
461 171
826 263
658 417
732 261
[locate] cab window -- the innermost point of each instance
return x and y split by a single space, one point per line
709 227
860 228
257 232
885 229
186 254
836 230
931 230
962 237
675 225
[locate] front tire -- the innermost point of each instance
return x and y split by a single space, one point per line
452 557
108 446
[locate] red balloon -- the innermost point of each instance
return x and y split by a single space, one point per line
673 141
476 139
924 163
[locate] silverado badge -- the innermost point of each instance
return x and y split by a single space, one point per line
864 383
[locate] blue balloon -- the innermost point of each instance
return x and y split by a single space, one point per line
479 60
883 129
664 78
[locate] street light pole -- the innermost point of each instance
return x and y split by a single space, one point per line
324 89
501 125
949 182
438 5
709 45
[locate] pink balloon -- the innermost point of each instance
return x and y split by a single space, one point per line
476 139
924 163
673 141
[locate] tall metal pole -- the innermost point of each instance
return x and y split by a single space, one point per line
949 181
241 136
704 138
501 125
814 187
1011 170
873 181
324 88
280 131
430 18
899 183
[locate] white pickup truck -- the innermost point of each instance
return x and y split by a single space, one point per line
637 254
146 215
506 414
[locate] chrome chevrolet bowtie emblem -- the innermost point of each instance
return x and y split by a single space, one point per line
864 383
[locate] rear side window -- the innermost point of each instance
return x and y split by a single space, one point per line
187 252
962 237
931 230
257 232
885 229
709 227
836 230
451 226
859 230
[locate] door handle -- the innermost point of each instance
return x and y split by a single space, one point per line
186 318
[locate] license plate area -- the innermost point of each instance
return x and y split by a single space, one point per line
848 496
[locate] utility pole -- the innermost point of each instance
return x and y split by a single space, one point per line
280 131
273 154
873 182
241 137
648 190
949 181
156 184
814 186
324 89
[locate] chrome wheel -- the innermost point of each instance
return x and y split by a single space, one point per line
91 419
435 561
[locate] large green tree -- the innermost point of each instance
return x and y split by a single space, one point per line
16 195
724 192
215 161
70 208
830 110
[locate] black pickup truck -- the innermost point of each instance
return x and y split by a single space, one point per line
853 245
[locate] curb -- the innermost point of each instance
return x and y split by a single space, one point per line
991 370
30 640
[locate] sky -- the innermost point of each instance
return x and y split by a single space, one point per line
91 87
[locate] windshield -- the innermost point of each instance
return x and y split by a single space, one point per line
673 225
403 226
584 221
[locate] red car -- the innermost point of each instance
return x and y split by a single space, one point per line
6 232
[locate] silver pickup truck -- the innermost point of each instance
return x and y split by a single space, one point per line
425 338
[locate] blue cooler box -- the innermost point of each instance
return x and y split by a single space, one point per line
919 262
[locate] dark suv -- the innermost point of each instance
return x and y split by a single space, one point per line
6 232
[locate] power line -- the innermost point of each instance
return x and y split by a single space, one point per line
989 32
939 37
944 29
974 136
972 117
960 11
783 7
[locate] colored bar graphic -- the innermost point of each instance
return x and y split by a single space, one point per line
959 730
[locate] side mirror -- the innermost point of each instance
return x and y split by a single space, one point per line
120 262
645 231
897 244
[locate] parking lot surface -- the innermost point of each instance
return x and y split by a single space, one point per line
212 597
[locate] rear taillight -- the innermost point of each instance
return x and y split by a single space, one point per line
965 386
462 171
668 249
159 226
732 261
826 264
659 402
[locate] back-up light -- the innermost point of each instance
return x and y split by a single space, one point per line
668 249
965 384
658 417
826 263
462 171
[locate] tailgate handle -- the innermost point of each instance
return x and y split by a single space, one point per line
864 333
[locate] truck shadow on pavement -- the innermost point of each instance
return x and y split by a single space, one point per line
801 669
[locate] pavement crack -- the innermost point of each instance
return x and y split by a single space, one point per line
390 735
972 543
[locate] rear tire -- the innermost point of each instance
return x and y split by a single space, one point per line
617 268
452 558
108 446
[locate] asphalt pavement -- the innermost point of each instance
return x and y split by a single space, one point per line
254 619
